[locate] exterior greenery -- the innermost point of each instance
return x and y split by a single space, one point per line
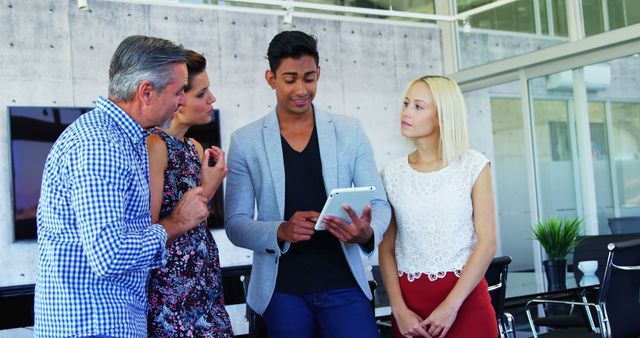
557 237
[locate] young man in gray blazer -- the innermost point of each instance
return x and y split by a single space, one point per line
303 281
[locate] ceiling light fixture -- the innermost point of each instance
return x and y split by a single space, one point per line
466 26
83 5
287 19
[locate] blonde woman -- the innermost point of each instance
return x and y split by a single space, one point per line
442 237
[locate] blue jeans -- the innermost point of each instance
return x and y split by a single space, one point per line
341 313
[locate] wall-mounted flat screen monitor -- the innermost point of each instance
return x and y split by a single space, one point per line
209 135
33 130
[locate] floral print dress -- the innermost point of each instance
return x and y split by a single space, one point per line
185 295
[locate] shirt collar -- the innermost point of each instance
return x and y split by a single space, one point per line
131 128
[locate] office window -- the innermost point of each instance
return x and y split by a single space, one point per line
605 15
626 151
511 181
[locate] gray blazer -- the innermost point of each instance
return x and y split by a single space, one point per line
256 178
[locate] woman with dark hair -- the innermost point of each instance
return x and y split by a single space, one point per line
185 295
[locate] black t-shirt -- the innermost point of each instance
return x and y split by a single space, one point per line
319 263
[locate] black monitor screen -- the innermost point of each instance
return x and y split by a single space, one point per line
209 135
33 131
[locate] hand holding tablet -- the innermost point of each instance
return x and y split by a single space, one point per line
356 198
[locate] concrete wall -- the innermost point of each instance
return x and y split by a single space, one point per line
54 55
482 46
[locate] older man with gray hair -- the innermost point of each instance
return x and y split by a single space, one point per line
96 241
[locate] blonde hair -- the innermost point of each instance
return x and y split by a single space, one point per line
452 115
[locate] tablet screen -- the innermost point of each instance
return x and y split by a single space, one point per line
357 198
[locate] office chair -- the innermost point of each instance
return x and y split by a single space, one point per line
235 281
496 277
618 299
588 248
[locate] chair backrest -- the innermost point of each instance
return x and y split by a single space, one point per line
496 277
235 282
232 285
620 288
624 225
595 248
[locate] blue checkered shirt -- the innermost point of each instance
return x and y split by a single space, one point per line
96 242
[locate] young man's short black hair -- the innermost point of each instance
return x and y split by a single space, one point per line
294 44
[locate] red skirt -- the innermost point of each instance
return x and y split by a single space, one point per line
476 317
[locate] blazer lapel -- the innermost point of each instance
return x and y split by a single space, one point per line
273 149
328 152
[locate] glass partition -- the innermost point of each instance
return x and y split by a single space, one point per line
555 147
509 166
614 112
601 164
605 15
527 25
509 30
524 16
626 156
412 6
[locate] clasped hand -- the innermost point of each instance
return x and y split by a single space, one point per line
436 325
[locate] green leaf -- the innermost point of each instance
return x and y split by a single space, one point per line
557 237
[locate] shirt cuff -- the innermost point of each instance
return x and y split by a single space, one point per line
160 258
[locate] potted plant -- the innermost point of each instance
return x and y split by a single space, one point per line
558 237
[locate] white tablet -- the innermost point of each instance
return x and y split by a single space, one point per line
356 198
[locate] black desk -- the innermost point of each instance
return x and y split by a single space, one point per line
521 288
570 293
18 300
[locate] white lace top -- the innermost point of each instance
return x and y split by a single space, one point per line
434 215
